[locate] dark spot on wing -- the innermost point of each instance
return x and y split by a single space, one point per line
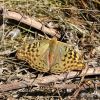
68 66
37 55
34 59
28 47
63 60
64 64
65 55
37 50
67 61
71 62
69 57
70 50
70 53
39 63
74 56
32 50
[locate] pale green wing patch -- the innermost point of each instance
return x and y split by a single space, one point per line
68 59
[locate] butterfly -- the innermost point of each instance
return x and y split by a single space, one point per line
50 56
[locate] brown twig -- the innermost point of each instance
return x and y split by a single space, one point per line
46 80
30 22
23 84
6 52
13 85
72 74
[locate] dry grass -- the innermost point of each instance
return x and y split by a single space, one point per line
78 22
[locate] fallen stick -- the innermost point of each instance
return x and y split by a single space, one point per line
72 74
13 85
6 52
22 84
30 22
48 79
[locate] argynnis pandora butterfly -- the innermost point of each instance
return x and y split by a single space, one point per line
50 55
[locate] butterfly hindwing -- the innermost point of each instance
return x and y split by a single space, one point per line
69 59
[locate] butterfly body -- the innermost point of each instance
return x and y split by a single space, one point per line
50 55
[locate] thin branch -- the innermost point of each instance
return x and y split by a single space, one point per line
22 84
72 74
30 22
47 79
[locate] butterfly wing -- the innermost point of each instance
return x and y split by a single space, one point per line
67 59
35 54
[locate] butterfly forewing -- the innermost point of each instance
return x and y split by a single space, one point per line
34 54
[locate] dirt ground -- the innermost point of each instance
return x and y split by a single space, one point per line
73 22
